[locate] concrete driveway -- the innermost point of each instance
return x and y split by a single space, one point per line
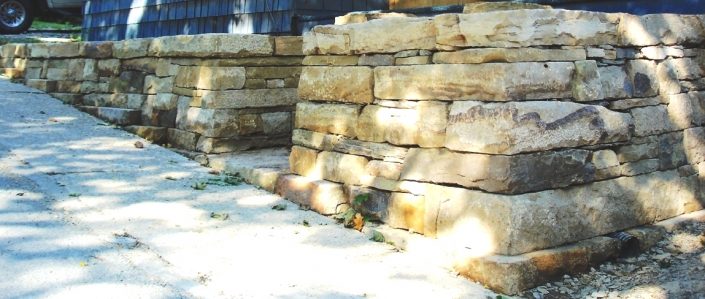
84 213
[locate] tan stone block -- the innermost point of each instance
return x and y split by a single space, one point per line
108 67
388 35
656 29
615 83
324 197
407 211
273 72
98 50
342 168
342 144
642 74
247 98
511 128
424 126
131 48
376 59
485 55
210 78
164 101
182 139
341 84
387 170
521 28
492 81
156 85
142 64
154 134
587 84
302 161
212 45
413 60
54 50
211 122
330 60
288 45
327 118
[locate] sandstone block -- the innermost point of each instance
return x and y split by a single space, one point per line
666 29
329 60
288 45
212 45
157 85
510 128
606 164
521 28
388 35
660 52
686 111
211 122
247 98
642 75
226 145
157 135
327 118
587 84
384 169
164 101
424 126
210 78
182 139
636 152
485 55
376 60
342 168
491 81
131 48
651 120
302 161
41 84
672 152
119 116
500 174
326 142
68 98
694 145
128 82
108 67
407 211
344 84
324 197
413 60
498 6
273 72
627 104
53 50
615 83
97 50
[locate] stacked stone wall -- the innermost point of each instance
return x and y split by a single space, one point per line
210 93
505 132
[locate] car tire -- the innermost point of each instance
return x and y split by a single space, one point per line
16 16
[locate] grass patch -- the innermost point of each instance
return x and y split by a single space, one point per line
40 24
18 40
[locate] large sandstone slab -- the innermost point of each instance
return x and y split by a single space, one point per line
489 82
512 225
246 98
327 118
341 84
521 28
657 29
511 128
389 35
53 50
212 45
499 173
131 48
324 197
488 55
341 144
210 122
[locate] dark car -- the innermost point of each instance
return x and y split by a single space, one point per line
17 15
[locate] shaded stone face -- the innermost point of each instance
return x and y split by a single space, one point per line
340 84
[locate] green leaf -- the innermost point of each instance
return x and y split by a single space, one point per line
220 216
199 186
305 223
377 236
279 207
74 194
360 199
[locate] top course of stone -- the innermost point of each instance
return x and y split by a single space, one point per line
506 29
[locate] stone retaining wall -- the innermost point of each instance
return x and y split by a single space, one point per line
504 132
209 93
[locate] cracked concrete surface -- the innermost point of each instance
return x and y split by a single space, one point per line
85 213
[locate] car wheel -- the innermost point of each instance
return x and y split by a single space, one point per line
15 16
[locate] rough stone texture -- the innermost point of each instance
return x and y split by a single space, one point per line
500 174
328 60
247 98
238 144
182 139
327 118
377 36
491 81
615 83
96 49
406 211
154 134
667 29
642 75
488 55
521 28
302 161
58 50
323 197
211 122
212 45
587 85
341 168
424 126
522 223
341 144
510 128
376 60
118 116
211 78
342 84
131 48
288 45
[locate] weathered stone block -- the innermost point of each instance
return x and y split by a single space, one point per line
212 45
211 122
485 55
685 111
164 101
376 60
407 211
606 164
157 135
388 35
636 152
660 52
667 29
500 174
694 145
119 116
182 139
651 120
302 161
413 60
53 50
341 144
288 45
343 84
131 48
327 118
342 168
384 169
247 98
642 75
273 72
97 50
615 83
510 128
237 144
128 82
328 60
108 67
324 197
210 78
639 167
491 81
157 85
671 151
521 28
41 84
374 207
424 126
142 64
587 85
627 104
